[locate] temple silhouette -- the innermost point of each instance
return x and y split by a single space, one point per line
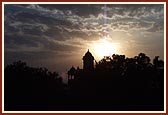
88 61
88 67
115 83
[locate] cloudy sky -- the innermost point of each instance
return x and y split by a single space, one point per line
57 36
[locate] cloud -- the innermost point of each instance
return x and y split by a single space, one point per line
64 29
67 21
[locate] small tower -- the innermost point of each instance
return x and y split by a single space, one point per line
71 74
88 61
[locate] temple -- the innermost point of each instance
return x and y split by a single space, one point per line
88 61
88 66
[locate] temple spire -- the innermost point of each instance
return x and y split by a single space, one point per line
88 63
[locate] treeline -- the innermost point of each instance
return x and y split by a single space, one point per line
120 83
120 62
116 83
31 88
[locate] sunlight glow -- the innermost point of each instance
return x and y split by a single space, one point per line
104 47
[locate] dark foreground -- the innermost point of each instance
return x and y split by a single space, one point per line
112 86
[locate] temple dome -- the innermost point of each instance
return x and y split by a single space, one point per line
88 61
88 55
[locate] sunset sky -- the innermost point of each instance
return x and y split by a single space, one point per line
57 36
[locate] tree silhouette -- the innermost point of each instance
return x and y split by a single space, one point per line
27 86
116 83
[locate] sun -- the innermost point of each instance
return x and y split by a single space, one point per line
104 47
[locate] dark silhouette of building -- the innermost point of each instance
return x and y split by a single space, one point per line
71 74
88 61
115 83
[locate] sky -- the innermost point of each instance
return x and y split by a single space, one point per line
57 36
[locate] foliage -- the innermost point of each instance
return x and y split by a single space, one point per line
116 83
